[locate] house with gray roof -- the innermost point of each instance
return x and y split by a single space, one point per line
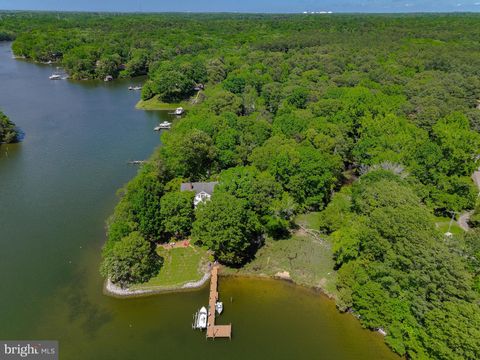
203 190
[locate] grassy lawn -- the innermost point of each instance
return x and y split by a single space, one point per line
309 220
181 265
155 104
443 223
307 258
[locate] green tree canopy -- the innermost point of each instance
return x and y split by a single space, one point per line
176 211
131 261
226 226
8 131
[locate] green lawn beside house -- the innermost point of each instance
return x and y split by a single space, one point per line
180 266
155 104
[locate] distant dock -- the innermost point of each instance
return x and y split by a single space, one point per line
215 331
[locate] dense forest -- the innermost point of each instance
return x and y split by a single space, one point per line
8 130
372 120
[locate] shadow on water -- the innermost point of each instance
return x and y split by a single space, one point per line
81 310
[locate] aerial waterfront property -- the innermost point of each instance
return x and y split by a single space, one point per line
310 190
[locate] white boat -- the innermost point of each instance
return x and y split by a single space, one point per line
202 319
178 111
163 125
130 88
55 77
219 307
136 88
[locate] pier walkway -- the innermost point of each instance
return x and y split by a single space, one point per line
215 331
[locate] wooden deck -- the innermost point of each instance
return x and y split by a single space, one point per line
215 331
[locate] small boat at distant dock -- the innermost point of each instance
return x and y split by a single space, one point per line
135 88
163 125
219 307
55 77
178 111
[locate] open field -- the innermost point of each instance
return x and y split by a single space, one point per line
443 223
305 256
155 104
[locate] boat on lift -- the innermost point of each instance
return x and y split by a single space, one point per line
201 319
219 307
163 126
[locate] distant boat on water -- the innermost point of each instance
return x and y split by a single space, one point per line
55 77
135 88
163 125
178 111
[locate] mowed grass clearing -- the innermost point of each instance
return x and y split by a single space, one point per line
443 223
156 104
180 266
306 256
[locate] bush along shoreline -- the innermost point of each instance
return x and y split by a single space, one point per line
8 131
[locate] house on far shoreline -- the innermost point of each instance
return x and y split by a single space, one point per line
203 190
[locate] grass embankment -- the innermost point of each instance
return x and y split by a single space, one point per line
306 256
443 223
180 266
155 104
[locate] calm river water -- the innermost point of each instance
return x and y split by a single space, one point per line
57 188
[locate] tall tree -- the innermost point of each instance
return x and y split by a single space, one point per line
176 211
130 261
226 226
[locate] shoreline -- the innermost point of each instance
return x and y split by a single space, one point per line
113 290
155 104
278 277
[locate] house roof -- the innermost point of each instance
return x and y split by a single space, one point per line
198 187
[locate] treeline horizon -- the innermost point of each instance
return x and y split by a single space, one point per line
195 12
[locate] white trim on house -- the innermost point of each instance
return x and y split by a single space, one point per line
202 196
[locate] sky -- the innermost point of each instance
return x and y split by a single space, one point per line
275 6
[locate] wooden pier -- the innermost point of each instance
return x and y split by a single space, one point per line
215 331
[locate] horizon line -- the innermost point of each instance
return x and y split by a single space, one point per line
305 12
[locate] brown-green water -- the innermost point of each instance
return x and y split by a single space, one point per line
56 189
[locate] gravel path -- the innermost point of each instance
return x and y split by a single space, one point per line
463 220
476 178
